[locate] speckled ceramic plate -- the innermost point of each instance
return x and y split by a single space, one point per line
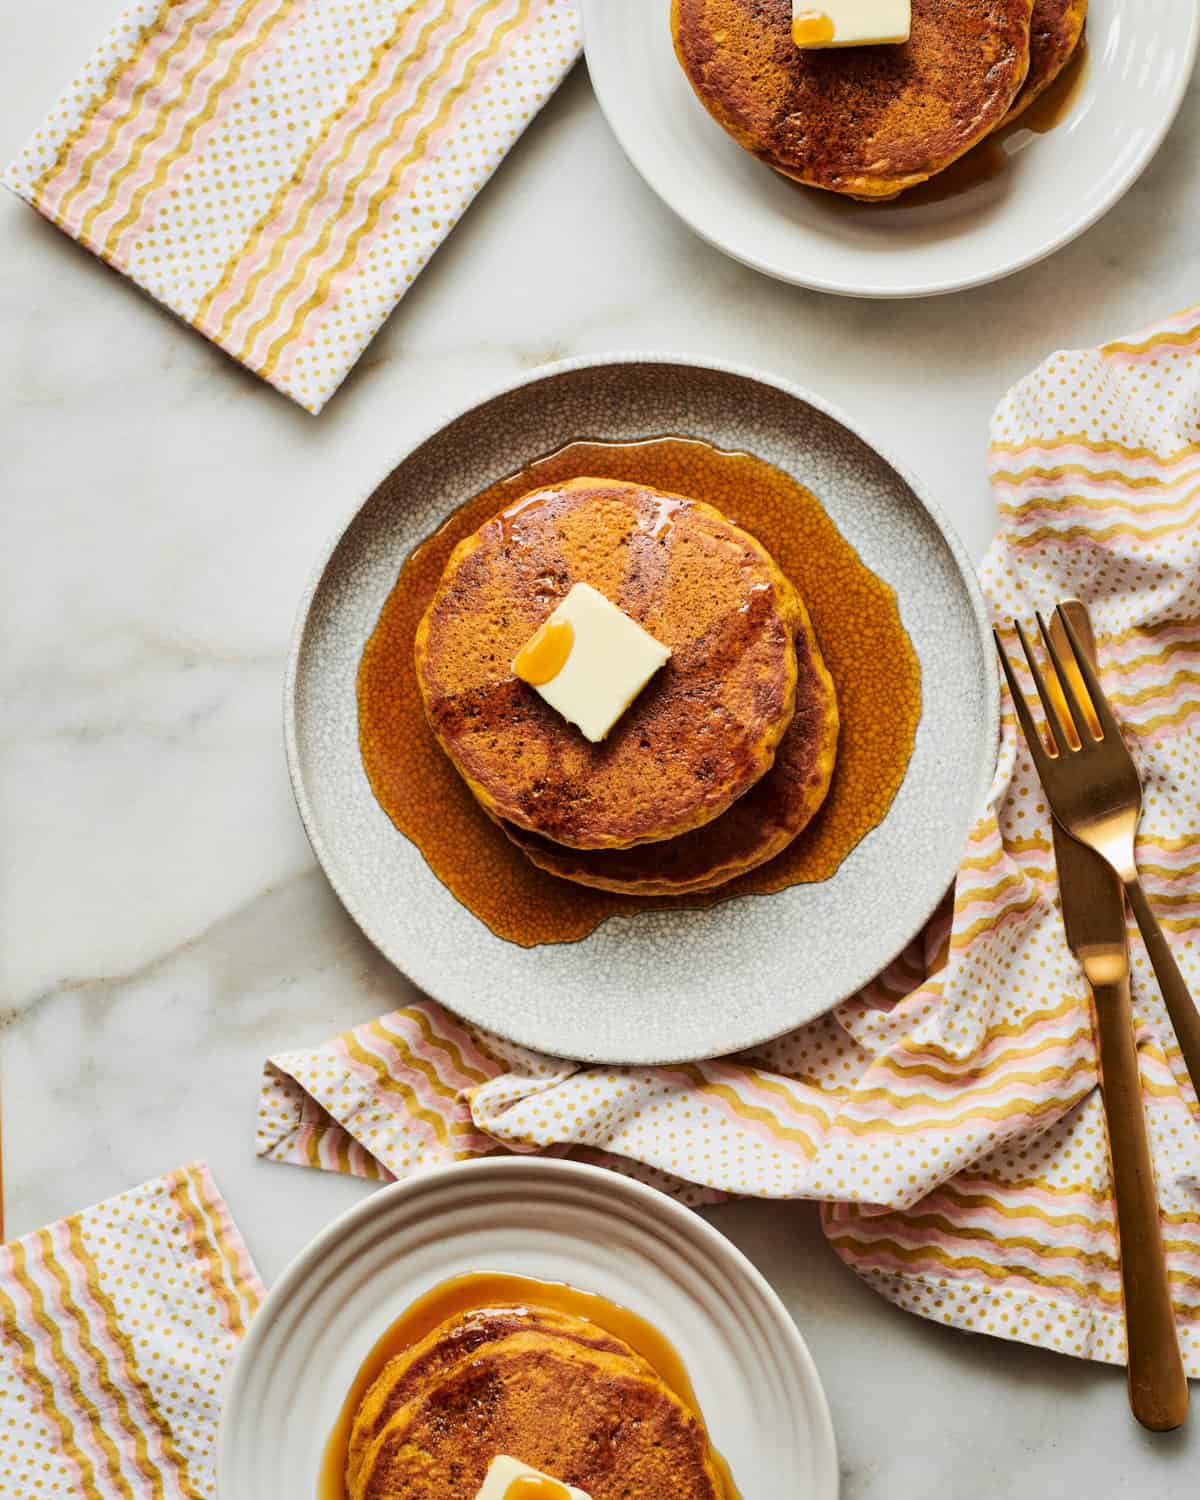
665 984
553 1221
1053 186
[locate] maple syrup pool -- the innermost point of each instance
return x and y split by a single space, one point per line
857 624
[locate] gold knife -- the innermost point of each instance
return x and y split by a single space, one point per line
1093 908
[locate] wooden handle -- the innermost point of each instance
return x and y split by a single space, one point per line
1185 1018
1158 1390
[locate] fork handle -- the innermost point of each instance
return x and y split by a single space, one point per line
1158 1390
1185 1018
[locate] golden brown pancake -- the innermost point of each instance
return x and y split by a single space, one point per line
695 739
1055 30
865 121
448 1345
603 1421
756 828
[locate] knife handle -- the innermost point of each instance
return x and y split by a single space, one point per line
1158 1391
1181 1008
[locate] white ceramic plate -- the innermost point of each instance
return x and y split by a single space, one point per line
667 983
1056 185
556 1221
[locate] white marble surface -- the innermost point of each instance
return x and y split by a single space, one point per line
163 925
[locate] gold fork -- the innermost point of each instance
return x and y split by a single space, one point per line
1094 791
1093 913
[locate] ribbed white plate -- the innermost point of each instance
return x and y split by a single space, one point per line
1140 57
556 1221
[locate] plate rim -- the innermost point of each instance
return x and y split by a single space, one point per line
989 740
655 1203
590 9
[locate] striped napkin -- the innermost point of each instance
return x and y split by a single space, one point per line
947 1115
118 1326
277 172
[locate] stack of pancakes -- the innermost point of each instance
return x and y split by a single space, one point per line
870 122
549 1389
719 762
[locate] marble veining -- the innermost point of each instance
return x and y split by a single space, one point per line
163 924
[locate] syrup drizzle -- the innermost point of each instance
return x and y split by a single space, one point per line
544 655
536 1487
812 28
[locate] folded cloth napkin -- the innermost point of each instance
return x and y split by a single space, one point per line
277 172
947 1115
118 1326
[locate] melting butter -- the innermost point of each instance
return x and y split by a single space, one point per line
850 23
589 661
509 1479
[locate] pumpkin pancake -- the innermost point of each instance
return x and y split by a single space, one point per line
1054 32
448 1345
601 1420
702 732
756 828
864 121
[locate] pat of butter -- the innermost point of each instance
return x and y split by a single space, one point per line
850 23
510 1474
590 661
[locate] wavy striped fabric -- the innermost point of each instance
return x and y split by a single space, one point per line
277 172
118 1325
947 1115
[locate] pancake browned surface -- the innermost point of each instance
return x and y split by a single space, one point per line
448 1345
602 1420
696 738
1055 30
756 828
866 121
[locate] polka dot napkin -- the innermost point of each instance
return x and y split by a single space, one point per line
947 1115
277 172
117 1329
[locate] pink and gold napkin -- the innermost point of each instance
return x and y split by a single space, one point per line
118 1326
277 172
947 1115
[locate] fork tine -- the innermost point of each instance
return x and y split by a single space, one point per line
1066 686
1100 704
1054 723
1033 739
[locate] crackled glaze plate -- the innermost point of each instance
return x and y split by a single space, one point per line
971 226
553 1221
665 984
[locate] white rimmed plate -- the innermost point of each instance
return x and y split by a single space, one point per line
665 984
555 1221
1140 57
